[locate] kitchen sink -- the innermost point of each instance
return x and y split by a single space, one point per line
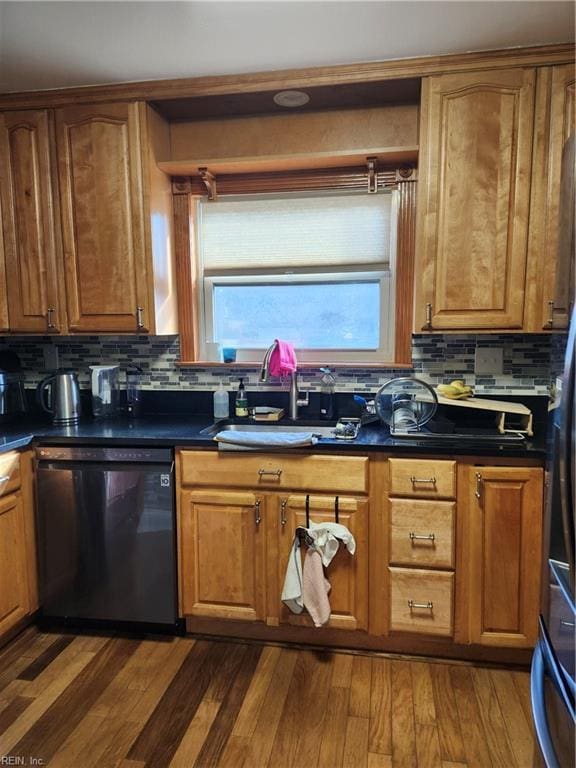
284 429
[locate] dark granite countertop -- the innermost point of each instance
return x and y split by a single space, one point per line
171 431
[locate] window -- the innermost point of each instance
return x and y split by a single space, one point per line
315 269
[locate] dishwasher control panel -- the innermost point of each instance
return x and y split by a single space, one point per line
98 453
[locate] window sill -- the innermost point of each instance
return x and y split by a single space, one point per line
303 365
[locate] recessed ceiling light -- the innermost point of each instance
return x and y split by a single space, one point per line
291 98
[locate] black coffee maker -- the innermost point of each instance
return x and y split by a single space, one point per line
12 394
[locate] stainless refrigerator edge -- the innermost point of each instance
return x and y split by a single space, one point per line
553 686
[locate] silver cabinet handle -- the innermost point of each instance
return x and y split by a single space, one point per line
478 491
566 627
257 517
273 472
429 606
421 537
283 505
550 321
428 480
49 312
428 324
139 321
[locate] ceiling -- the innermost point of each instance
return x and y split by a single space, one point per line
59 44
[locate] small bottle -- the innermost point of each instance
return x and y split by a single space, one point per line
221 405
327 404
241 401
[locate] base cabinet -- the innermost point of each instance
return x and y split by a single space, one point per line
223 552
505 530
18 588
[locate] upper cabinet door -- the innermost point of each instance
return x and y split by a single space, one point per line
31 235
473 200
102 217
558 277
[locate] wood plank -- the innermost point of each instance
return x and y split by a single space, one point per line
195 736
232 701
55 725
518 728
522 684
360 687
424 708
380 740
42 703
403 727
263 738
451 746
473 735
254 699
428 746
37 666
235 752
376 760
12 711
312 716
179 703
356 744
493 720
342 670
333 738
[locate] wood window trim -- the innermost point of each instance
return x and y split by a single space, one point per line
186 189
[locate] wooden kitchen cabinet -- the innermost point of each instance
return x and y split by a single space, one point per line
87 221
505 540
473 200
105 180
347 574
223 554
30 223
18 578
551 254
232 566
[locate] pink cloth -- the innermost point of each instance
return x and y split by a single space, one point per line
315 588
283 359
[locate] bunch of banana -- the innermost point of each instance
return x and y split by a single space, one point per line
456 390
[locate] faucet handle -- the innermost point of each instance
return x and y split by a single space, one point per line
305 400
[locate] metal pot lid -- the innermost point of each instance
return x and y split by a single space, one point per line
406 404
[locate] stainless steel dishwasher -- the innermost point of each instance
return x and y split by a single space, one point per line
106 535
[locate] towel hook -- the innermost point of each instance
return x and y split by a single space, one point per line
336 512
307 510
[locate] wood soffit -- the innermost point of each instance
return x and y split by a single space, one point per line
316 77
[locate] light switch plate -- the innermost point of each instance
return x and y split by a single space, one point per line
489 360
51 357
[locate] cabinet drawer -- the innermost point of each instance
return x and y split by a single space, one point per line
421 601
329 474
423 478
422 533
9 473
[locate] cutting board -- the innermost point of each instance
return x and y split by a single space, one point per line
502 407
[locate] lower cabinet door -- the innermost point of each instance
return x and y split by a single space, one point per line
505 519
347 573
222 551
13 579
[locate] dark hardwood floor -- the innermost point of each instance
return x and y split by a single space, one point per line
78 701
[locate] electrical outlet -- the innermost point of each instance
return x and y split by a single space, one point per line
51 357
489 360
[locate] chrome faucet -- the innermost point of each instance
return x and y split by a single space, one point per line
295 400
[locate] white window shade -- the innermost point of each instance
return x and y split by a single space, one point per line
341 230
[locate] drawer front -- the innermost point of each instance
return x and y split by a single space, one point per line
9 473
421 601
329 474
422 533
423 478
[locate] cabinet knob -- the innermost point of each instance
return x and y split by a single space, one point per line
273 472
283 505
426 480
139 321
428 324
49 315
550 321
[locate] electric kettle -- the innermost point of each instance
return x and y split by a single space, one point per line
59 395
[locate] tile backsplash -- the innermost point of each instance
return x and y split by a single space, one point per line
436 359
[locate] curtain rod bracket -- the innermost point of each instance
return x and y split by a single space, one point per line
372 163
209 181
